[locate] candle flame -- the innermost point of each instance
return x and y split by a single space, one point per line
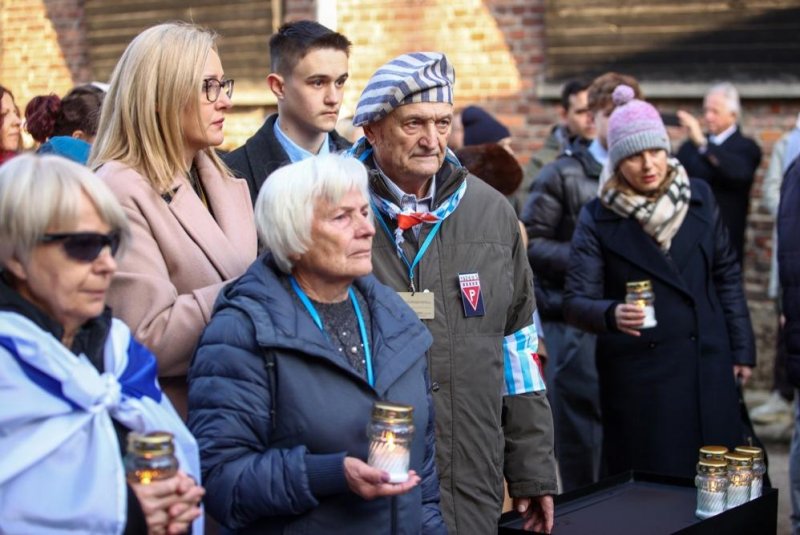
390 440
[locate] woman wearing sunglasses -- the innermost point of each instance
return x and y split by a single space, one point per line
73 381
192 223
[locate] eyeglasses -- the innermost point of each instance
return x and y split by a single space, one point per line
212 87
85 246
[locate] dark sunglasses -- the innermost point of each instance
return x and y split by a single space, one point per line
85 246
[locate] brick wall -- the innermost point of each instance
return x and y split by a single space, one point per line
42 47
496 47
300 9
474 37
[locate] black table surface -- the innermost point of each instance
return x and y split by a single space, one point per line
637 503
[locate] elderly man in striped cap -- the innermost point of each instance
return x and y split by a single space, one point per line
450 246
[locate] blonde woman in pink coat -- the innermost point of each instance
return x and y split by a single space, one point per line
192 222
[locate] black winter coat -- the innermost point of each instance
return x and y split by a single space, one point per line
561 189
262 154
789 266
730 169
272 444
668 392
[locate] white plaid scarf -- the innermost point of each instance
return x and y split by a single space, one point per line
661 214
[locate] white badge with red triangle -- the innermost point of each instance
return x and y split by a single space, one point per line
471 296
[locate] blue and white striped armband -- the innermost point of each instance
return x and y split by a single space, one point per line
522 368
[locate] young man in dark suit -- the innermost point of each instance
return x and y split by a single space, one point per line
309 70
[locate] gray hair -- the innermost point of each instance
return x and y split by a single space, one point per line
284 210
39 192
730 94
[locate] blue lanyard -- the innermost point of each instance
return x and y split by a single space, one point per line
403 257
362 328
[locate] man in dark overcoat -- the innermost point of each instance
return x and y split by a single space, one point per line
724 158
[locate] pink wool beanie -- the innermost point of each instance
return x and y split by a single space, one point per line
634 126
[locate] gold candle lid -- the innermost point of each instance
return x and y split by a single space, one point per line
711 467
738 461
155 443
638 286
754 452
386 411
713 452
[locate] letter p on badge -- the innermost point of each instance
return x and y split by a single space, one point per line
471 296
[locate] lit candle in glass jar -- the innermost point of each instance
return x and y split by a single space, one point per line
150 457
740 476
640 293
712 484
757 456
390 432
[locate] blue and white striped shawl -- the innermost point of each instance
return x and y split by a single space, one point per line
60 467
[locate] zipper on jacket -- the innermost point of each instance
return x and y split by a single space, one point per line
269 366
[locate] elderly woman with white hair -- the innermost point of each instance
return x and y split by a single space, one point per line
73 381
286 373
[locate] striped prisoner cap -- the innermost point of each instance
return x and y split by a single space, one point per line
415 77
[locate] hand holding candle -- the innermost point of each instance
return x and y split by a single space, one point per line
370 482
629 318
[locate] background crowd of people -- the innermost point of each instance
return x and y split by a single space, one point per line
279 290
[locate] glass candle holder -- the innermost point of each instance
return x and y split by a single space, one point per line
390 432
150 457
640 293
740 477
759 469
712 485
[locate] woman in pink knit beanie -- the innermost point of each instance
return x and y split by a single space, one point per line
667 370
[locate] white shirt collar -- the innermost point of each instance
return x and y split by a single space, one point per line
295 152
723 136
598 151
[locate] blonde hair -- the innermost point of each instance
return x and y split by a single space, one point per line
39 192
285 206
157 77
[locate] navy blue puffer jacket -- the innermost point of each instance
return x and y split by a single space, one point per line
273 442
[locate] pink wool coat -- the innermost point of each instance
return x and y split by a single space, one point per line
180 257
